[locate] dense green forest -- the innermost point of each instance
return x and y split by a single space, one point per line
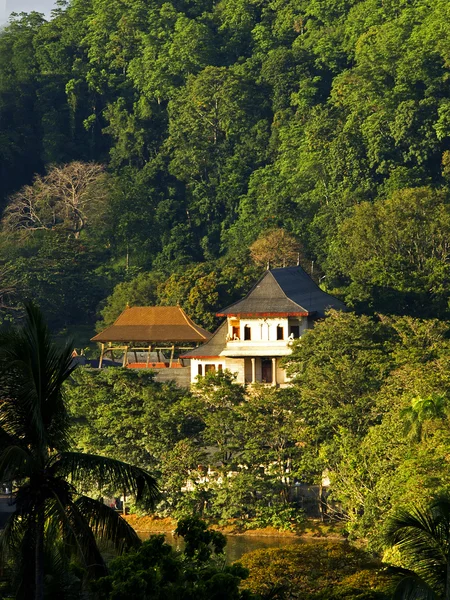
147 145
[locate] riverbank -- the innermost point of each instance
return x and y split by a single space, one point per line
310 529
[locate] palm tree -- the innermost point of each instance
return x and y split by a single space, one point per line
424 410
35 455
423 537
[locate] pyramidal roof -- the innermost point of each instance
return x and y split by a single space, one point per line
288 291
153 324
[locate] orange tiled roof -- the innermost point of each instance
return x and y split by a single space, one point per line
153 324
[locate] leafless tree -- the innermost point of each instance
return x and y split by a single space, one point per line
67 198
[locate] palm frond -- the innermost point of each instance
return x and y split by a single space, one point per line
107 471
423 535
15 464
76 534
36 369
12 534
107 524
413 588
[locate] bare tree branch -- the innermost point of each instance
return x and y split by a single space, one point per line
67 198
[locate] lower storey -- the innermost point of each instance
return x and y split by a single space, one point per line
250 370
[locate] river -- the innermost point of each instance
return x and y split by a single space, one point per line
237 545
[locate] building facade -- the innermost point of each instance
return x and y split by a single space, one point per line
259 329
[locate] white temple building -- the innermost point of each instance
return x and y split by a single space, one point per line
259 329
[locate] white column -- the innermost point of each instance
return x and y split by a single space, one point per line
274 371
253 370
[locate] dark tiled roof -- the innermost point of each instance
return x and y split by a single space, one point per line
213 347
153 324
288 291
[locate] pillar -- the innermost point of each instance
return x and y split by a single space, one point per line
100 362
274 371
253 370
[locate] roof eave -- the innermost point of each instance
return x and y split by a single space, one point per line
267 314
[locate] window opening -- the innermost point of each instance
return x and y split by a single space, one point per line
280 332
247 333
294 331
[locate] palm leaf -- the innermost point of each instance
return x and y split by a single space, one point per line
413 588
76 534
107 524
107 471
15 464
422 535
36 368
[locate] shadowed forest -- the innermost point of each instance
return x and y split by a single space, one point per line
164 153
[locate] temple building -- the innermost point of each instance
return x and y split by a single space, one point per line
259 329
150 337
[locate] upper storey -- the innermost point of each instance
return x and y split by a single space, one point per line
287 292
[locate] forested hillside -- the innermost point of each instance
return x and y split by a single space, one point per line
164 137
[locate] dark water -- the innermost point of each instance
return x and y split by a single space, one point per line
237 545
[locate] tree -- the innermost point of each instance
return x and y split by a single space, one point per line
48 477
276 248
328 570
394 254
67 198
157 572
139 291
422 535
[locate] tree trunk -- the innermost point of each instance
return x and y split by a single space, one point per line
39 557
447 580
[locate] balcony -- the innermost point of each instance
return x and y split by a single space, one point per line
248 348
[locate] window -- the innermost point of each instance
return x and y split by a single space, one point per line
294 331
280 332
219 368
235 332
210 368
247 333
200 369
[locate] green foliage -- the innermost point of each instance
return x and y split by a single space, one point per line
394 253
156 571
220 121
52 520
331 570
374 396
421 535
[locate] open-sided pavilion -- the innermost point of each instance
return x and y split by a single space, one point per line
157 331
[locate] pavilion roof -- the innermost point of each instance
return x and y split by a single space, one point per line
153 324
288 291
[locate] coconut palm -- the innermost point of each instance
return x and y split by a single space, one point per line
423 537
35 455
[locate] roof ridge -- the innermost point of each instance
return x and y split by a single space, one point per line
124 310
284 293
255 285
263 276
191 323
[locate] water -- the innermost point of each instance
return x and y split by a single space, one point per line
237 545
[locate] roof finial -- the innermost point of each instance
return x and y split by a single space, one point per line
268 265
298 259
284 262
127 305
